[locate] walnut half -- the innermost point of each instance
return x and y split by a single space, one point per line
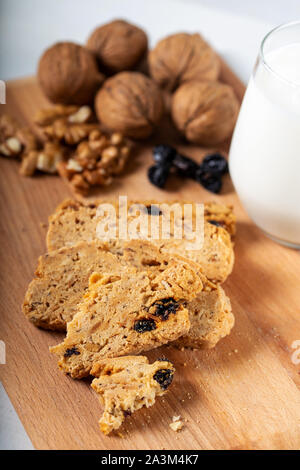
66 124
45 160
96 161
14 139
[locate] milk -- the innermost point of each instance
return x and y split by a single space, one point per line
265 152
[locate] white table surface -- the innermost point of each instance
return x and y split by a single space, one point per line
27 27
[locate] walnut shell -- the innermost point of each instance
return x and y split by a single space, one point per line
118 45
68 74
205 112
130 103
182 57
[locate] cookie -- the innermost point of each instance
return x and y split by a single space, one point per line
73 222
210 312
211 319
62 278
128 312
126 384
221 216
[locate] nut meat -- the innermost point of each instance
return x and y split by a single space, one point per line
15 140
66 124
96 161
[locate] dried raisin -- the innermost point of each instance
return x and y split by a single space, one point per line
144 324
70 351
164 307
164 377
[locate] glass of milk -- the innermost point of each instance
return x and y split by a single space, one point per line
264 157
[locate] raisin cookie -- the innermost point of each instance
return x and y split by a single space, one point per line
73 222
126 384
128 312
210 311
62 279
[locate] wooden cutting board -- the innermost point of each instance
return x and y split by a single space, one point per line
244 394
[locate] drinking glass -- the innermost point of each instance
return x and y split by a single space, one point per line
264 157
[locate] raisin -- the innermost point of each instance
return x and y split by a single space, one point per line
158 175
164 359
163 154
70 351
153 210
215 164
186 167
165 307
144 324
216 223
127 413
164 377
211 183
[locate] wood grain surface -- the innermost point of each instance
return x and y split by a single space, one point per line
244 394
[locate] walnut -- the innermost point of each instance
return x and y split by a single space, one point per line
96 161
118 45
45 160
205 112
182 57
66 124
14 139
130 103
68 74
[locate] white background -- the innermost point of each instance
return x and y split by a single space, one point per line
27 27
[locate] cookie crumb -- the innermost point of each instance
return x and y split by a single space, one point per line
176 424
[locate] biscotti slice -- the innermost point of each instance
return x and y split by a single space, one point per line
74 222
210 312
126 384
211 319
62 277
220 215
128 312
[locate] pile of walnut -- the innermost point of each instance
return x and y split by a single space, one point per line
72 144
183 65
107 73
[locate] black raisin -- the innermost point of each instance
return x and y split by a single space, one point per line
153 210
164 377
163 154
70 351
158 175
216 223
215 164
164 307
127 413
186 167
211 183
164 359
144 324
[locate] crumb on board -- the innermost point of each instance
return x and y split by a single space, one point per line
177 424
